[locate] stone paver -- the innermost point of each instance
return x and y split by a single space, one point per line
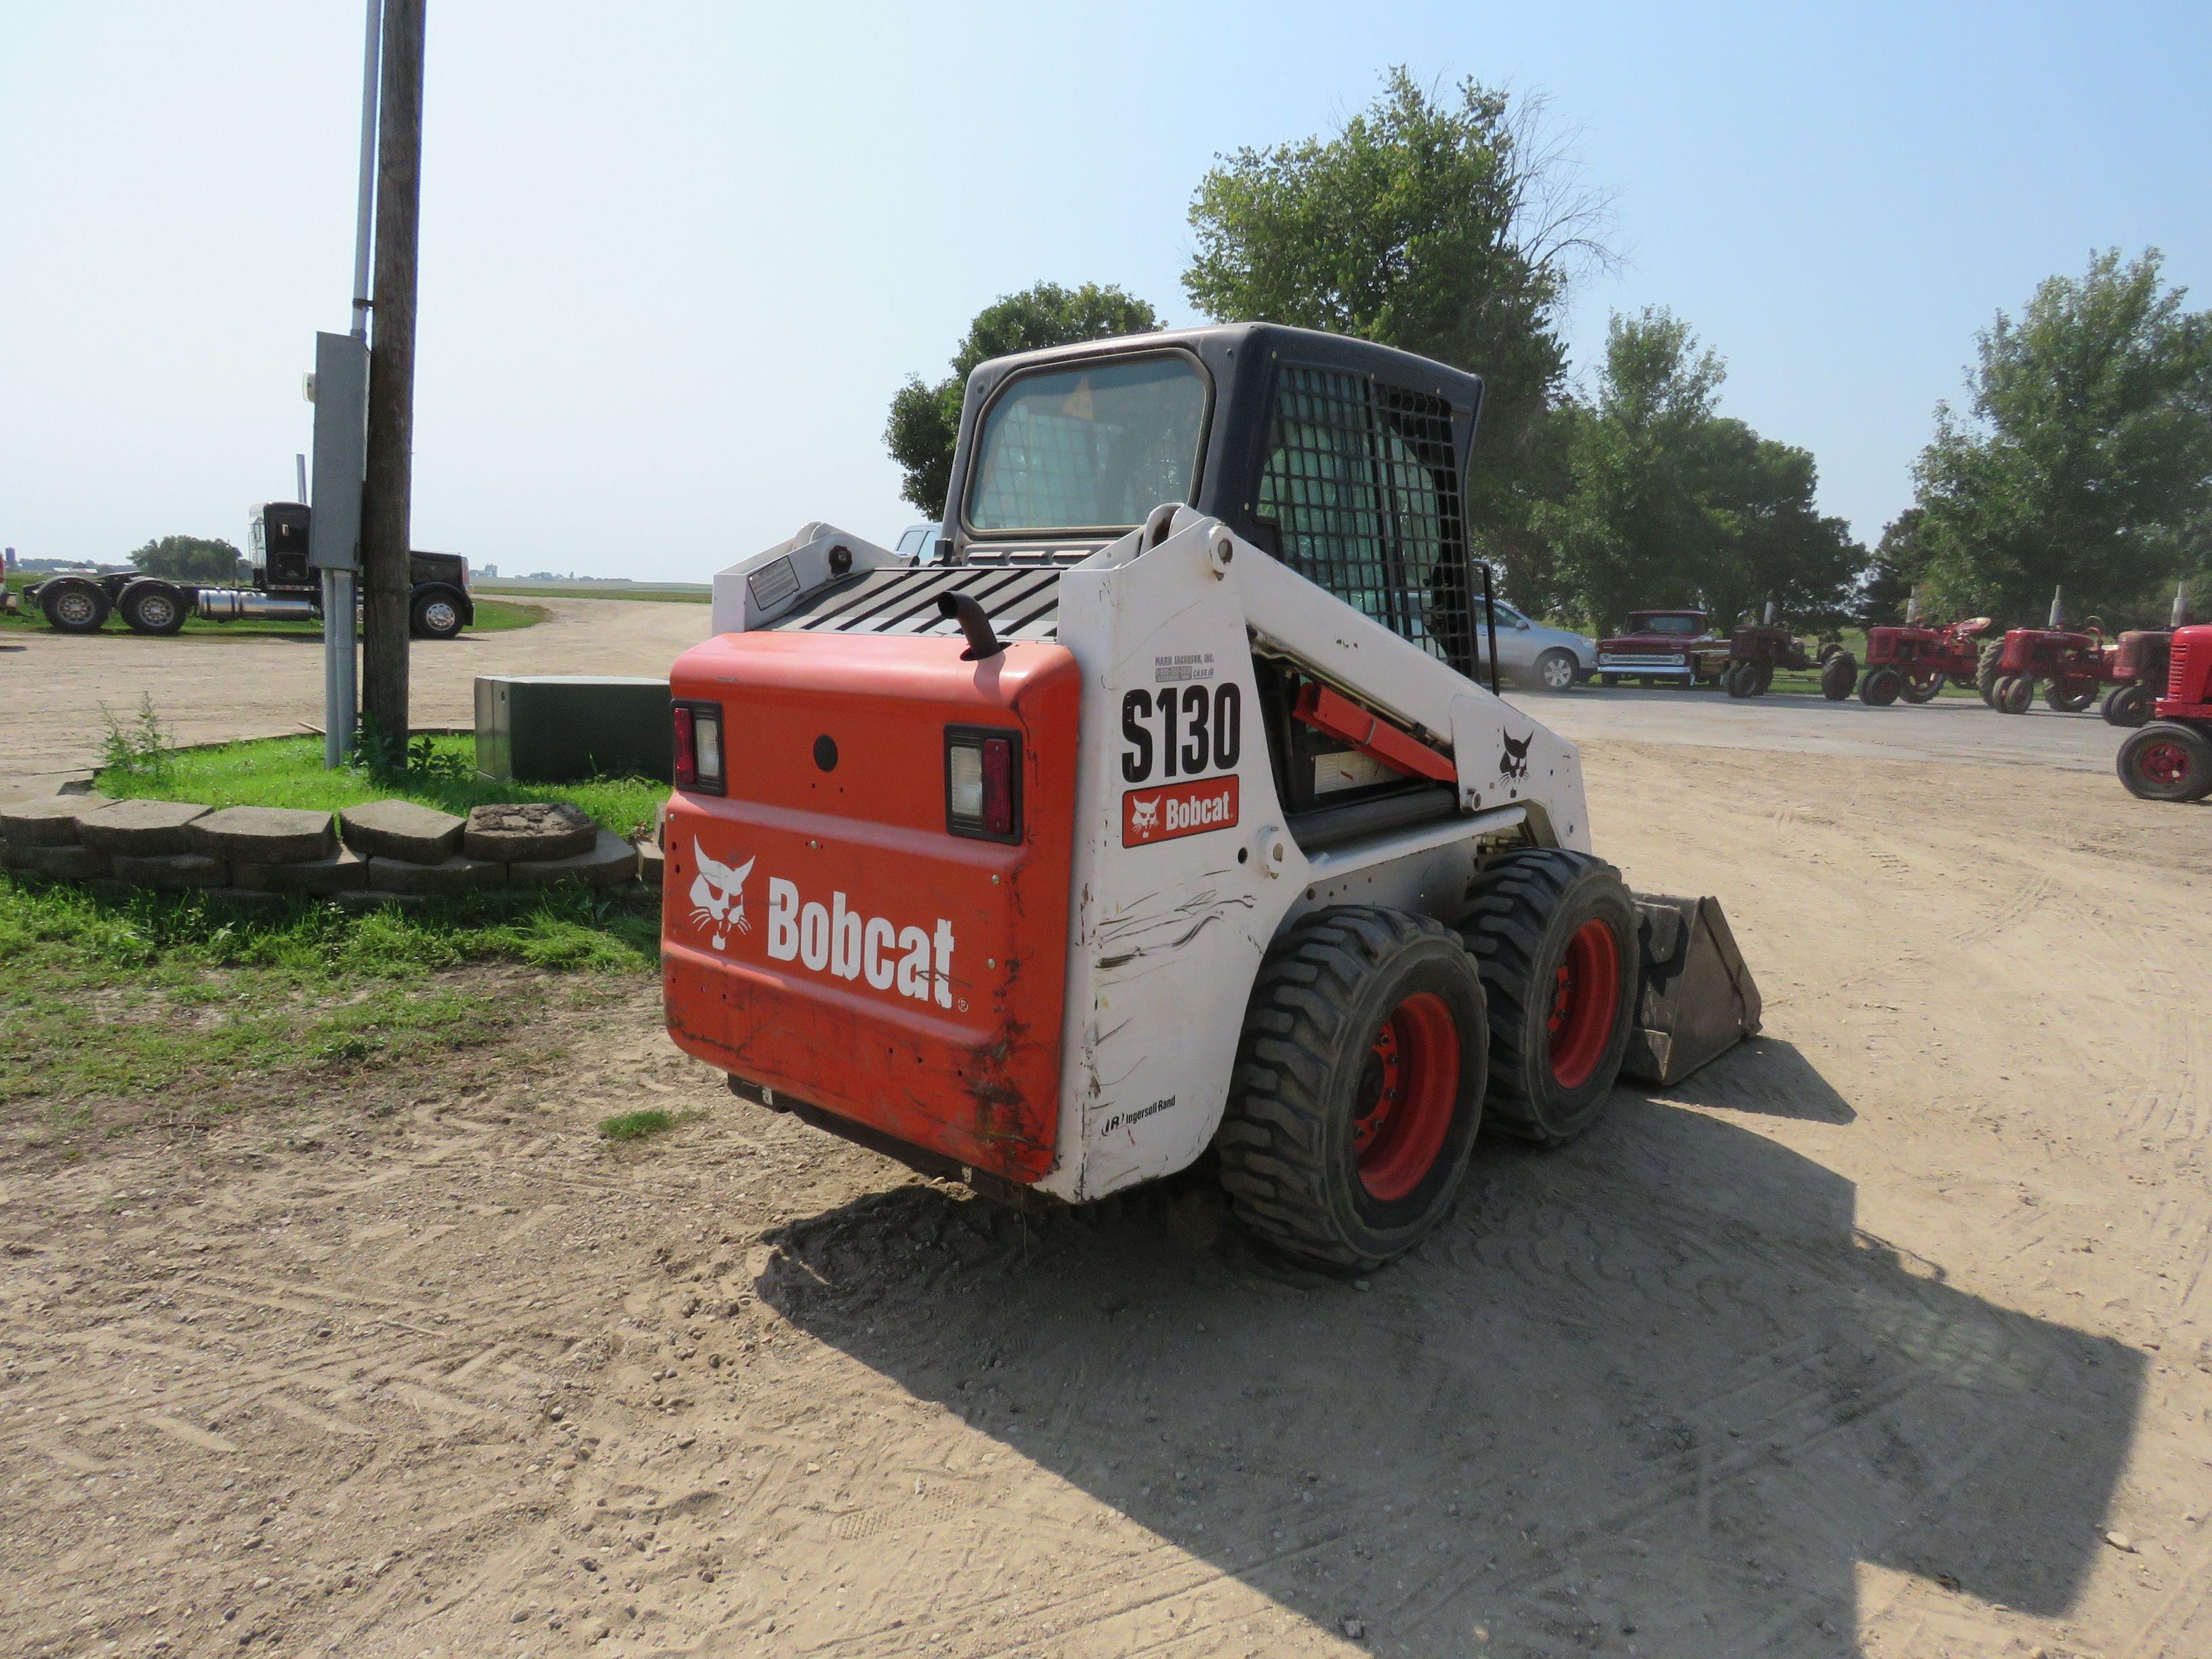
454 877
49 823
402 830
343 872
611 862
262 834
142 829
651 862
170 871
69 862
529 832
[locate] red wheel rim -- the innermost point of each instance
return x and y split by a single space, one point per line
1585 997
1408 1086
2163 762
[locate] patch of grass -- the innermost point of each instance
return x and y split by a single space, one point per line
288 772
157 995
636 1126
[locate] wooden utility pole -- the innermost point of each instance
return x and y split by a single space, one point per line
386 489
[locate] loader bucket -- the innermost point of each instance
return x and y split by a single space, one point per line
1697 1000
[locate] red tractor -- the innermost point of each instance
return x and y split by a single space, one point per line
2171 758
2071 664
1757 649
1914 659
2137 667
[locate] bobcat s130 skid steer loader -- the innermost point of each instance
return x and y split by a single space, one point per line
1169 811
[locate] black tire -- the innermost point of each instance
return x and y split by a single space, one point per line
74 605
1608 680
1920 690
1527 925
153 607
1839 672
1878 687
1765 679
1743 680
2067 699
2127 705
1556 671
2166 759
1988 668
1328 995
2015 692
435 615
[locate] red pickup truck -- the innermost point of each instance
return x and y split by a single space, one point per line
1662 648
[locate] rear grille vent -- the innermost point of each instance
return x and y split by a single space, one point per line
2177 668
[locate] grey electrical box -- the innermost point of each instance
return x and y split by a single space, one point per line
556 728
340 451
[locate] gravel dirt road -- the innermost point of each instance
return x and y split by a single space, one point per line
209 688
1889 1334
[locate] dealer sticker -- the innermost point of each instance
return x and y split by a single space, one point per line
1175 810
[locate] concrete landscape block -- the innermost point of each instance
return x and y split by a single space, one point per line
50 822
651 862
170 871
611 862
141 829
447 880
529 832
18 855
401 829
264 835
246 898
69 863
363 900
342 871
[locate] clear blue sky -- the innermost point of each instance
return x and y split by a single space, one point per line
677 256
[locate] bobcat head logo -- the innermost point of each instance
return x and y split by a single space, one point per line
718 897
1513 762
1144 814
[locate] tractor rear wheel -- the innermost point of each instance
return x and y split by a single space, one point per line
1358 1086
1554 934
1878 688
2166 759
1765 672
2015 692
1922 685
1988 668
1839 671
2068 696
1743 680
2127 705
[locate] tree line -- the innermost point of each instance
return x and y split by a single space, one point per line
1453 224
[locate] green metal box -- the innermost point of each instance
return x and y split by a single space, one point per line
557 728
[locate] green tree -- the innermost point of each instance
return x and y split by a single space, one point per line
2085 458
925 419
1880 595
1668 502
1446 225
188 558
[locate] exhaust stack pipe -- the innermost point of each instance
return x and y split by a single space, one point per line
2057 606
1912 606
2179 616
243 605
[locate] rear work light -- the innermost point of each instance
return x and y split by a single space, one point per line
983 782
698 746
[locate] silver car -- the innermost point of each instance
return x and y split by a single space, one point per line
1531 653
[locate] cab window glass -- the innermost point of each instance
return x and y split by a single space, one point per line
1096 446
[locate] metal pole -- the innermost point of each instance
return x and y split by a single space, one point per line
299 472
341 665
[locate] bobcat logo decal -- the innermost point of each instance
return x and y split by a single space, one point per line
1513 762
1145 815
718 897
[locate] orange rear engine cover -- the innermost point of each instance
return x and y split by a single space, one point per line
823 932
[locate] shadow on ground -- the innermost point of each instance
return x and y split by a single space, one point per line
1655 1392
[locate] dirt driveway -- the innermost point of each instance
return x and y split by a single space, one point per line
1889 1335
210 688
